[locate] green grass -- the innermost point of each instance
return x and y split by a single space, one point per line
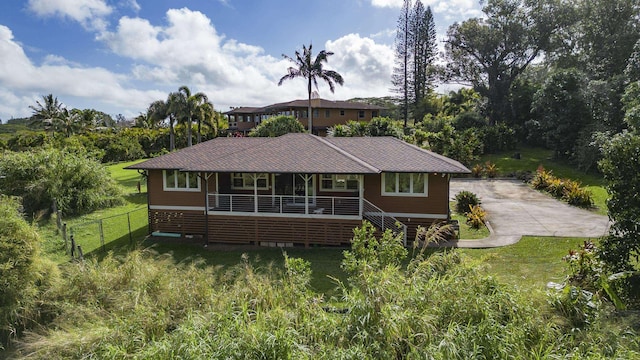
530 263
115 223
466 231
532 158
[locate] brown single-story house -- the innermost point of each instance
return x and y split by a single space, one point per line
296 189
326 113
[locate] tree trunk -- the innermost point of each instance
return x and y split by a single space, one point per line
199 135
172 136
189 141
309 112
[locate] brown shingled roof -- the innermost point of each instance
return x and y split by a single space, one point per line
304 153
324 104
390 154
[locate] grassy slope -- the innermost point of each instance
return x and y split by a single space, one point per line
531 158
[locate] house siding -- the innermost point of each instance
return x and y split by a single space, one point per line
434 206
157 195
172 211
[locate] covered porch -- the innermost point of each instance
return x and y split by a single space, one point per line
285 195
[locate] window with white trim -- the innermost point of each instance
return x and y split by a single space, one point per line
245 181
174 180
404 184
339 182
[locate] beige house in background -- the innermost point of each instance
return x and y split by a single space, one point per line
326 113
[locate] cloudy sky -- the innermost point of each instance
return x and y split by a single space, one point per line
118 56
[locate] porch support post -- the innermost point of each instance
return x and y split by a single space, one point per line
306 193
206 206
217 191
360 193
255 192
273 190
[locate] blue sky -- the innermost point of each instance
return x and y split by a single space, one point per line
118 56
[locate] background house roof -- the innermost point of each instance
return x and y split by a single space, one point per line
317 103
304 153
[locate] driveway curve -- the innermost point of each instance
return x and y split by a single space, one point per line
515 210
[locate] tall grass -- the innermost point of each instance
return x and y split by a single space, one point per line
144 305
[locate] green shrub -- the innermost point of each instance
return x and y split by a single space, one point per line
541 179
566 189
469 120
490 170
497 138
477 170
476 216
276 126
77 182
147 306
555 187
465 200
576 195
24 273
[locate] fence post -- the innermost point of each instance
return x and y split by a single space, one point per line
80 255
129 223
73 247
64 235
101 234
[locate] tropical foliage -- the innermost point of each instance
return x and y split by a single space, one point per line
74 180
24 272
146 306
276 126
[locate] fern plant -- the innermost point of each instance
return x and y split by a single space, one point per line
466 200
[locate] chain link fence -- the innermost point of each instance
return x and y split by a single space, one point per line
105 234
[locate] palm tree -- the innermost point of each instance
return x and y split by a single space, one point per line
70 121
187 108
206 115
311 70
158 111
49 113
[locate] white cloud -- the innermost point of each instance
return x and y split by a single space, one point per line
64 79
186 50
365 65
132 4
387 3
189 50
451 10
90 13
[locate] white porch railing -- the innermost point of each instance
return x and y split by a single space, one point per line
382 220
284 204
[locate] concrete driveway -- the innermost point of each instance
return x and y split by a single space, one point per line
514 210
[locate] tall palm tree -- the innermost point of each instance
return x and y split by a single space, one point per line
206 115
48 113
158 111
311 70
187 107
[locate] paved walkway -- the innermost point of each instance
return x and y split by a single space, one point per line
515 210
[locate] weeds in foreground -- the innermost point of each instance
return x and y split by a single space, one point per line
144 305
